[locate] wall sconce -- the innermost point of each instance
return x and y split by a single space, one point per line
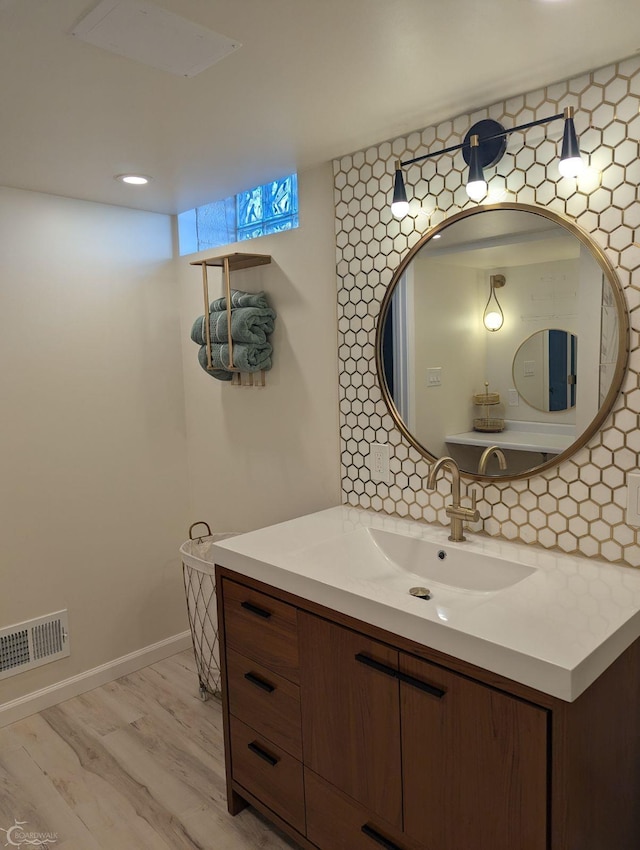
493 317
483 147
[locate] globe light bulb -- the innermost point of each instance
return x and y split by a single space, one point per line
493 321
477 189
399 208
572 166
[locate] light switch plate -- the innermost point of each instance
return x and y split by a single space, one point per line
633 499
379 462
434 376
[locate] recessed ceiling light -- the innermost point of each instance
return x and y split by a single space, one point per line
134 179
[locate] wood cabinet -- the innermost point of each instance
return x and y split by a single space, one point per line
351 738
351 718
469 762
476 754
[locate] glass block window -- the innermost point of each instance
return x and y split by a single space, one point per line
265 209
268 209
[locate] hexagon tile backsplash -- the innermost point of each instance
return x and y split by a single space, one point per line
580 505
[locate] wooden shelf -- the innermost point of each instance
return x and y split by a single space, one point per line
229 263
236 261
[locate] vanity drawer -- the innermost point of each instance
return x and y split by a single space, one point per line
265 701
268 772
336 821
261 628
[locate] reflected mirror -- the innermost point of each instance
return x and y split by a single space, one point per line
504 326
544 370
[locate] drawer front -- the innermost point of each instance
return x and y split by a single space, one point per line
336 822
265 701
261 628
268 772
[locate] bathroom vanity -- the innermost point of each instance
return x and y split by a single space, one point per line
503 713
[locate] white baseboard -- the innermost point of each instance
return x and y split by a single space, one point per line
31 703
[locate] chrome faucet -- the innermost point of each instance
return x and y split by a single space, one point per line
455 511
486 454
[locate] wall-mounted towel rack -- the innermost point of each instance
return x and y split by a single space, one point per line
230 263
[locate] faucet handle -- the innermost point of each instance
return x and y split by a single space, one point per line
474 509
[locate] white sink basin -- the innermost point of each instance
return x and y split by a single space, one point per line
449 565
400 560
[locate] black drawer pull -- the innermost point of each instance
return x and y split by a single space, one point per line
259 683
379 839
263 754
422 686
255 610
376 665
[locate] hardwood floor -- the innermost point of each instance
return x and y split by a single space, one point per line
137 763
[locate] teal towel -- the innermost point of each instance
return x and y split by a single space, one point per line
219 374
240 299
248 324
247 358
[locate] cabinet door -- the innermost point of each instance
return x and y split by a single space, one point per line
351 714
474 763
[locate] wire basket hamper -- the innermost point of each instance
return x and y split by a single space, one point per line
200 594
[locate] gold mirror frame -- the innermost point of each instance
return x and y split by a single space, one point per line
623 336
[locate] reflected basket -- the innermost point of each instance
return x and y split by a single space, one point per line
490 424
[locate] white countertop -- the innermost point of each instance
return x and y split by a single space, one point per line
556 630
523 441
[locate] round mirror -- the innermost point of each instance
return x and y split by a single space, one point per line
544 370
504 326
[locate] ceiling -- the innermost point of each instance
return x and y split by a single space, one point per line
314 79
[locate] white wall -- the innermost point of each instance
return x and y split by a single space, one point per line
535 297
590 386
93 454
262 455
455 344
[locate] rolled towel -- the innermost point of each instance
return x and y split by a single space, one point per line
240 299
248 324
219 374
246 358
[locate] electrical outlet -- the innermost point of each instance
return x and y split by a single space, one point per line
513 398
633 499
379 462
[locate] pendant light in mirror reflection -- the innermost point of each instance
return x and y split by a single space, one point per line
493 317
483 147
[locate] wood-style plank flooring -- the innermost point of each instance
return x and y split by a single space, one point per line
137 763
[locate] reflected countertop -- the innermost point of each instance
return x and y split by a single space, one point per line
520 436
522 441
